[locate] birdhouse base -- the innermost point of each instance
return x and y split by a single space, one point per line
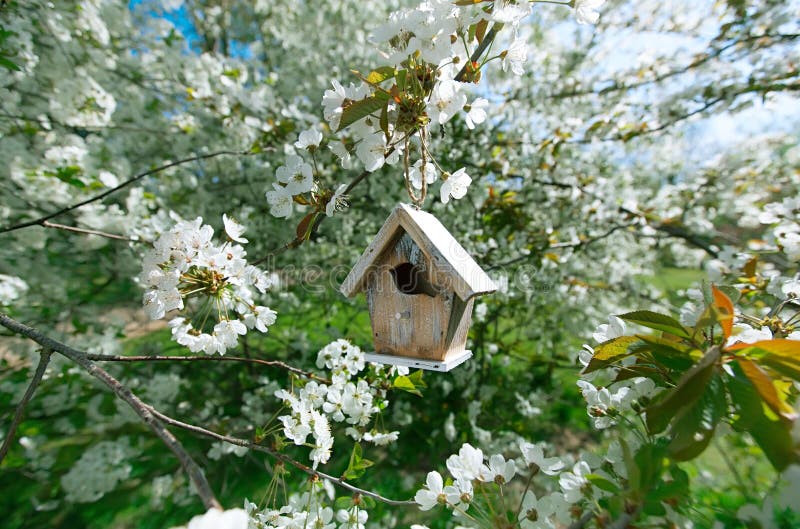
419 363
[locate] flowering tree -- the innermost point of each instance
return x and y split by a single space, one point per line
186 184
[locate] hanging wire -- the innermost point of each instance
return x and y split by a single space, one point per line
418 201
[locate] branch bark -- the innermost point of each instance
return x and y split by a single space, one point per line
277 455
44 359
41 220
75 229
144 411
272 363
581 522
487 40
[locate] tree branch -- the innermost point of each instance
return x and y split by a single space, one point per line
297 241
487 40
144 358
277 455
581 522
75 229
40 221
627 517
611 85
144 411
44 359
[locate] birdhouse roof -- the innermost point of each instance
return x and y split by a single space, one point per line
467 279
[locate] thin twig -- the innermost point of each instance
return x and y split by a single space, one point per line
487 39
277 455
48 224
627 517
297 241
44 359
144 411
145 358
40 221
581 522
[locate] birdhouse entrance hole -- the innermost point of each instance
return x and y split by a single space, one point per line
420 284
410 279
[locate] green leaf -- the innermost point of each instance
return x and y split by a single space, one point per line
730 291
693 429
384 120
690 387
343 502
357 465
400 76
379 75
650 462
260 434
366 502
634 476
602 483
471 32
654 320
772 435
610 351
405 383
670 354
7 64
638 370
68 175
675 488
653 507
416 378
360 109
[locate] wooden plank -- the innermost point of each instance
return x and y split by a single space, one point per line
417 363
354 282
453 266
459 270
412 325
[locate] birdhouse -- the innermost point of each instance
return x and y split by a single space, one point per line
420 285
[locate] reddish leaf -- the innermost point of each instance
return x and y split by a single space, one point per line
766 389
749 268
304 228
724 307
778 346
480 29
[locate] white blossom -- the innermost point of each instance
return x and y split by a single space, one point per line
455 186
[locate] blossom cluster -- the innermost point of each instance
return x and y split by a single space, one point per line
783 217
295 179
11 289
605 404
307 510
476 479
347 399
106 464
426 56
186 270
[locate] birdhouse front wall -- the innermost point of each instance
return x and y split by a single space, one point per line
411 314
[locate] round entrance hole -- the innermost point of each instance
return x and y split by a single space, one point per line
410 279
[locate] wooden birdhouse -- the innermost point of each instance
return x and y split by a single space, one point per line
420 285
